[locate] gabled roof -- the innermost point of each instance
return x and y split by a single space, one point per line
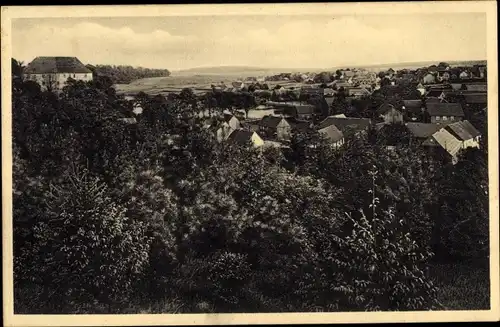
432 100
422 130
456 86
445 109
128 120
358 91
477 87
463 130
348 126
332 133
228 117
435 92
479 98
240 136
299 125
447 141
304 109
413 105
329 101
47 65
270 121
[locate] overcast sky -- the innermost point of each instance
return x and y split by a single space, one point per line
261 41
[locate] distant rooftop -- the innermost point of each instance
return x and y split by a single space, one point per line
47 65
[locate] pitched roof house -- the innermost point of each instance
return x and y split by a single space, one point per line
445 112
244 137
480 98
463 130
53 72
422 130
273 126
477 87
348 126
55 65
413 106
332 134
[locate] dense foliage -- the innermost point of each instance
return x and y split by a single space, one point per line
107 212
126 74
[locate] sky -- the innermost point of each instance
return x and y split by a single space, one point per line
314 41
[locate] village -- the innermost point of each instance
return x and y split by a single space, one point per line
439 105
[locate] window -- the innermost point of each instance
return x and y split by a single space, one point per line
73 75
437 117
445 118
452 118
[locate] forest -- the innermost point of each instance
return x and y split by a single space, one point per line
126 74
158 217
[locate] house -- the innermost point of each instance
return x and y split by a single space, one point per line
446 141
476 99
436 93
301 111
464 75
421 88
358 92
275 127
311 91
328 92
299 126
413 108
53 72
465 132
477 87
238 85
455 137
348 126
444 113
422 131
457 86
332 134
390 114
128 121
228 125
244 137
429 79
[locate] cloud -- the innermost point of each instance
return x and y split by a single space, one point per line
92 42
301 42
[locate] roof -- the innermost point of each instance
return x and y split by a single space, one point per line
422 130
47 65
340 116
128 120
332 133
463 130
304 109
479 98
240 136
435 92
477 87
447 141
346 125
413 105
432 100
270 121
445 109
299 125
228 117
358 91
237 84
329 101
456 86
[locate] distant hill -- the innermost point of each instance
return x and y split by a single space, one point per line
243 71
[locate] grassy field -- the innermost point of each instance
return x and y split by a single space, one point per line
198 83
462 286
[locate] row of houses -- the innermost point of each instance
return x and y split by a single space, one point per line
276 131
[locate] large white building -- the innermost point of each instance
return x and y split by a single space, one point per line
53 72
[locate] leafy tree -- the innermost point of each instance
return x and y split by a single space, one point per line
84 247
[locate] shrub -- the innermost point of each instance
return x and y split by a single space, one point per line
85 250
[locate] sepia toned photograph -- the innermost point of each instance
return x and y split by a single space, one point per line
323 160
